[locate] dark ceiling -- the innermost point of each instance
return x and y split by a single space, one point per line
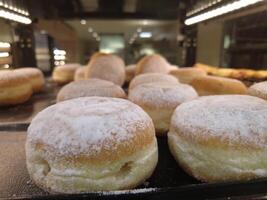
107 9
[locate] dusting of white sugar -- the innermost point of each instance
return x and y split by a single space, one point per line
87 125
234 119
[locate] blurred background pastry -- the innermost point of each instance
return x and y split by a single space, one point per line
107 67
151 78
65 73
159 99
90 87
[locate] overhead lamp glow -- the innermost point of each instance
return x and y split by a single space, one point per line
4 45
145 35
90 30
15 17
83 21
4 54
59 52
6 66
220 11
95 34
59 57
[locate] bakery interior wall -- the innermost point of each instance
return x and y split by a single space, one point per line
209 43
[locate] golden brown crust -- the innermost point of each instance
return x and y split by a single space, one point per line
107 67
65 73
11 78
35 76
186 75
211 85
152 64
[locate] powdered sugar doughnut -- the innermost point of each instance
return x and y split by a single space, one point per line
15 88
130 72
221 138
151 78
107 67
152 64
79 74
91 144
35 76
65 73
159 100
259 90
90 87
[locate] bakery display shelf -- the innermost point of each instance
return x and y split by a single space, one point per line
168 181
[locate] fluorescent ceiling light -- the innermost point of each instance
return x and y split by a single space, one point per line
220 11
59 52
59 57
15 17
83 21
145 35
4 45
4 54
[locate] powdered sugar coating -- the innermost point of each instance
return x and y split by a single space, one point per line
160 94
230 119
87 125
259 90
151 78
90 87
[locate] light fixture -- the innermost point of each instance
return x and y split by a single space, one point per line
83 21
4 54
59 52
145 22
220 11
90 29
59 57
4 45
62 62
95 34
6 66
15 17
145 35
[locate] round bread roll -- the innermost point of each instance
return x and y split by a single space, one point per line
90 87
258 90
151 78
15 88
152 64
159 100
79 74
107 67
130 72
91 144
65 73
211 85
35 76
186 75
221 138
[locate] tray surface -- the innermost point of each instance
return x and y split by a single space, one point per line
168 180
24 113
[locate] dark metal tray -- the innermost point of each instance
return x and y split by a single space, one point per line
23 113
167 182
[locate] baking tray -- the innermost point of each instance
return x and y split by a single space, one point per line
167 182
23 113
